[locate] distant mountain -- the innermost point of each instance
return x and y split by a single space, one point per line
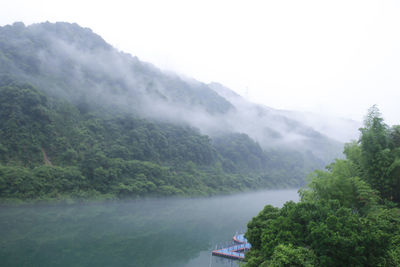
118 126
336 128
341 129
276 128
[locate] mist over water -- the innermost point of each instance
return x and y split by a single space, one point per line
148 232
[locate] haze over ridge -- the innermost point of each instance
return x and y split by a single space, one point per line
133 84
312 56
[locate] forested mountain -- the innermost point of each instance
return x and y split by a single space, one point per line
348 216
79 118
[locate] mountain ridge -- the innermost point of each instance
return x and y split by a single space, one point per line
111 121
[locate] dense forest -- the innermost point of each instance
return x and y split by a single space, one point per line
52 149
348 216
79 119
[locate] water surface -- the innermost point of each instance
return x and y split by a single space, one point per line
149 232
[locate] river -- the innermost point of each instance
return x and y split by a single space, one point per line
148 232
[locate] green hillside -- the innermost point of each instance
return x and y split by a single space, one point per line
114 153
79 119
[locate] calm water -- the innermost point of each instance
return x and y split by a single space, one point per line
155 232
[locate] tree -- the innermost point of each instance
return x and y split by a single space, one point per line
345 217
288 256
380 156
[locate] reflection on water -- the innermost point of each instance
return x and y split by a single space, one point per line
151 232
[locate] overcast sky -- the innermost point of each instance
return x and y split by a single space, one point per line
334 57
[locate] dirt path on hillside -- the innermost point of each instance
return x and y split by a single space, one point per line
46 159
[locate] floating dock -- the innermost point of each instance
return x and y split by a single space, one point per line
236 251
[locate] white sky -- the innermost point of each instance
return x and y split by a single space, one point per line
328 57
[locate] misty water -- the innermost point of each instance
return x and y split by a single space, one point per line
149 232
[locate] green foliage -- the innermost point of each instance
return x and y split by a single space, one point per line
395 136
87 109
241 153
41 182
336 234
24 124
288 255
379 155
346 217
115 154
